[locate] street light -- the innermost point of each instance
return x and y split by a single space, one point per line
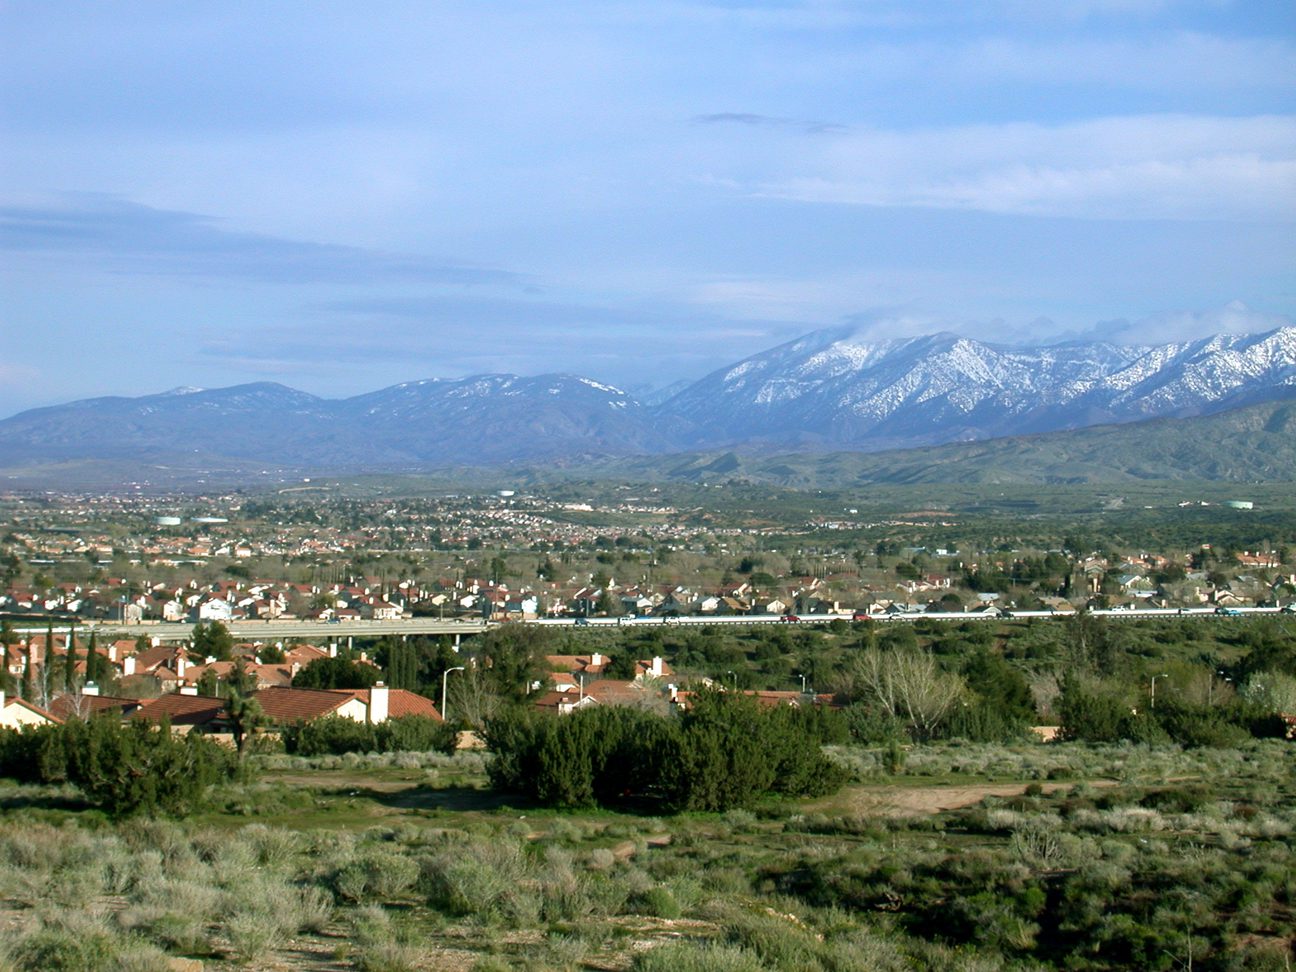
1154 678
445 675
803 685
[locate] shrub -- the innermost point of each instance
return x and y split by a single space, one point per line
339 736
124 768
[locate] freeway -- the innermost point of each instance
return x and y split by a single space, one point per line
946 616
279 630
264 631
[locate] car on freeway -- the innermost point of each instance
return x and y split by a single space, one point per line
790 617
583 622
861 616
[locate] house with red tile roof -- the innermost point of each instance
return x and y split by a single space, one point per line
288 706
16 713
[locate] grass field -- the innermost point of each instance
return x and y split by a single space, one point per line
971 857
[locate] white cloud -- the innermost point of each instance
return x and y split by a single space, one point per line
1151 167
1234 317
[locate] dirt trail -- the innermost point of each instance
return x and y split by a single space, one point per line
915 801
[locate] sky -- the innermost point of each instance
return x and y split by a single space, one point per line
344 196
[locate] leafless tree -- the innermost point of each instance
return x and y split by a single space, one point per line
470 698
909 685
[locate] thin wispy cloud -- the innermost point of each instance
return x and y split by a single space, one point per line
1158 167
125 237
747 118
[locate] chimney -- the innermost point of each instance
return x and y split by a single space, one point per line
596 660
332 649
181 663
128 665
89 688
112 651
656 666
379 699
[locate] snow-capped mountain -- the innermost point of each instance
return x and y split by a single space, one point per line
830 389
827 390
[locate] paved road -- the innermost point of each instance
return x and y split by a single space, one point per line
279 630
323 631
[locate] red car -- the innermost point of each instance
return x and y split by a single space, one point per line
861 616
789 617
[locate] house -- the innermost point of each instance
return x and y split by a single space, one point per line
773 699
185 713
564 701
573 671
88 702
285 706
1258 560
16 713
651 668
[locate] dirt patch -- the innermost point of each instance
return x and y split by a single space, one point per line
918 801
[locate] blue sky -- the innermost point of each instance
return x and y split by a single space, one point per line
345 196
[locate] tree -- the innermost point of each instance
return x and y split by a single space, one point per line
69 660
245 716
28 678
124 768
212 640
335 673
909 685
513 659
240 681
498 568
1000 686
97 668
208 684
1274 691
7 639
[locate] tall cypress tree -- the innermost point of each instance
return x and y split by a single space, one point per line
69 660
27 672
94 668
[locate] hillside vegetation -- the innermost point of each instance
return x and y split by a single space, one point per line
1243 445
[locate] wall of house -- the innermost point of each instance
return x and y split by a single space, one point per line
14 716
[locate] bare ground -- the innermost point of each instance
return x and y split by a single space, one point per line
917 801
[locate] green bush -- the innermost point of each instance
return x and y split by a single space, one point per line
336 735
725 752
124 768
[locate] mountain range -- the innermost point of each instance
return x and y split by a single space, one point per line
825 392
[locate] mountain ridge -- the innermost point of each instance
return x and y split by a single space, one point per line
826 391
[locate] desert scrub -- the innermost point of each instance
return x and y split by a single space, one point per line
376 874
485 880
381 943
693 957
76 941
